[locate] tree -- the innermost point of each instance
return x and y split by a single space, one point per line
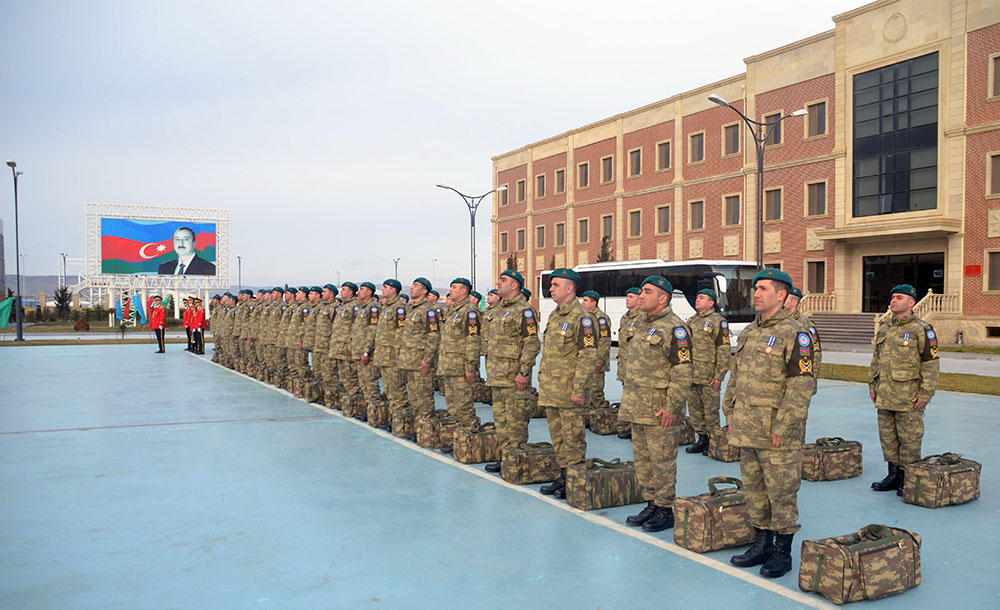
63 298
605 254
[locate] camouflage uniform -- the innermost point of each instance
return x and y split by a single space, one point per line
275 352
286 353
325 313
461 334
807 323
419 342
340 342
258 316
569 356
904 366
626 329
220 318
711 351
363 343
512 348
298 358
391 320
658 377
769 393
596 385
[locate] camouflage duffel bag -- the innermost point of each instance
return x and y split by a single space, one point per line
332 398
378 414
477 447
596 483
686 436
831 459
713 521
604 420
403 423
531 403
529 463
875 562
436 431
353 406
719 447
312 391
941 480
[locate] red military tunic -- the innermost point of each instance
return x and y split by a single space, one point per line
187 317
157 317
198 318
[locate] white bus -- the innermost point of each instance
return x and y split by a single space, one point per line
731 280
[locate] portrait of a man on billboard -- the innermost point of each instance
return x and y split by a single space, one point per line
162 247
187 262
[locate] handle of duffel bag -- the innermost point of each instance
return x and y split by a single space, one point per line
720 480
875 531
831 441
945 458
613 464
536 445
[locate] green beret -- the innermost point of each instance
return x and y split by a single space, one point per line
330 287
773 274
463 281
904 289
214 297
262 290
394 283
514 275
592 294
292 290
633 290
426 283
405 296
304 289
244 291
526 293
350 285
493 291
795 292
660 282
435 293
709 293
566 274
278 289
476 295
316 289
368 285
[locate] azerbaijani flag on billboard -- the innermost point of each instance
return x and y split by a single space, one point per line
148 246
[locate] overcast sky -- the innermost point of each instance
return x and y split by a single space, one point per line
324 126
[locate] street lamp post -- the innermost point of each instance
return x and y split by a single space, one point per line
473 204
761 131
239 272
434 269
395 267
17 251
63 255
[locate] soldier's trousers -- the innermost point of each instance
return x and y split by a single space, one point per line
348 376
190 337
330 372
771 480
298 362
655 451
595 388
569 436
901 434
703 408
394 383
367 381
420 391
320 367
261 350
458 398
511 415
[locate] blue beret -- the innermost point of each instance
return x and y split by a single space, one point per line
434 292
566 274
633 290
475 294
426 283
773 274
592 294
278 289
350 285
514 275
526 293
463 281
795 292
292 290
709 293
394 283
660 282
904 289
368 285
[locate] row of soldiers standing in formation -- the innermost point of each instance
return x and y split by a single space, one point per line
664 364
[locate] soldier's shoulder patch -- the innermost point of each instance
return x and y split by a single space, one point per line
529 314
473 315
805 340
587 322
431 313
930 334
602 322
374 309
724 324
356 309
680 332
930 346
400 311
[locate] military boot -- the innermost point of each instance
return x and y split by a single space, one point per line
643 516
892 481
492 467
551 488
662 519
902 479
780 561
700 446
625 434
759 551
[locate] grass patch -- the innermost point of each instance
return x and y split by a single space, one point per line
970 349
953 382
95 327
109 341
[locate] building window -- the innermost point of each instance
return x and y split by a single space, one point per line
635 162
816 199
993 171
635 223
697 151
607 169
772 265
816 119
774 136
504 196
560 181
560 234
697 215
994 73
663 156
730 139
895 138
540 236
583 175
520 239
607 226
993 279
772 204
663 219
504 246
816 276
732 205
520 191
539 186
583 230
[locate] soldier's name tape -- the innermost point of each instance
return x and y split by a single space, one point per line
532 491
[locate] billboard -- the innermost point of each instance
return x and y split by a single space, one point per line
157 247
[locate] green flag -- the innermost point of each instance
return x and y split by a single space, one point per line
5 306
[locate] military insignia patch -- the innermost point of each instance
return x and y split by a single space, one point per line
724 324
684 355
932 347
805 366
603 324
587 323
565 326
528 313
432 314
680 333
472 315
305 311
355 309
804 339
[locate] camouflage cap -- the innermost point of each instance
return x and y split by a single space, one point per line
904 289
660 282
514 275
426 283
526 293
350 285
476 295
393 283
795 292
709 293
633 290
566 274
278 289
592 294
773 274
368 285
330 287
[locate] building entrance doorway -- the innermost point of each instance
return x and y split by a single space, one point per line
923 271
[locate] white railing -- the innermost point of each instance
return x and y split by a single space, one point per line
818 301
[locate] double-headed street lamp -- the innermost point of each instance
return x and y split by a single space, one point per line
473 204
761 131
239 274
17 250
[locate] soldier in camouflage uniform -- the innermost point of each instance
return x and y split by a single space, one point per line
792 306
298 359
325 313
417 346
590 300
387 344
626 329
569 357
768 395
258 319
475 299
511 352
363 345
492 302
219 319
239 329
340 342
282 361
902 379
710 340
269 329
657 381
309 324
461 336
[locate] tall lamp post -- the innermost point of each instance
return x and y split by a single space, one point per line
473 204
63 255
17 251
761 131
395 267
239 273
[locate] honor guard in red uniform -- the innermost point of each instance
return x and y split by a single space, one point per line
188 311
198 326
158 321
